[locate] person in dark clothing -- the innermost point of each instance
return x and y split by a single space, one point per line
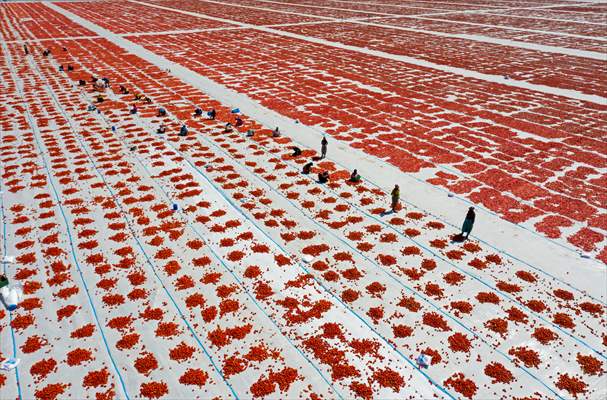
323 147
134 109
323 177
250 133
70 68
162 112
468 223
100 99
307 168
296 152
161 129
355 176
183 131
61 68
106 82
81 82
239 122
198 112
147 100
395 198
64 48
276 132
26 49
123 90
212 114
228 128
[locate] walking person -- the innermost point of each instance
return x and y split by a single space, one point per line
323 147
395 198
468 223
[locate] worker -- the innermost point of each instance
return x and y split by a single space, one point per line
296 151
307 168
355 176
323 177
161 129
323 147
395 198
162 112
183 131
468 222
276 132
212 114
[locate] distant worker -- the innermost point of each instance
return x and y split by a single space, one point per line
250 133
212 114
161 129
296 152
183 131
228 128
198 112
239 122
468 222
323 177
134 109
276 132
70 68
307 168
395 198
123 90
100 99
162 112
323 147
355 176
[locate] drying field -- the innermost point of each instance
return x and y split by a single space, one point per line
208 266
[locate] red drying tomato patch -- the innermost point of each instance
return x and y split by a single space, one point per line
352 274
472 247
459 342
361 390
591 308
412 232
195 377
410 251
96 378
42 368
78 356
181 352
478 264
428 264
432 289
487 297
438 243
526 276
516 315
497 325
461 384
386 260
563 320
528 356
498 372
410 304
436 321
376 313
349 295
536 305
22 321
461 306
128 341
51 392
589 364
84 331
572 385
389 378
453 278
544 335
493 258
153 390
33 344
563 294
120 323
146 364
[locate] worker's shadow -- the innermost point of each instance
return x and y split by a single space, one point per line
384 213
316 158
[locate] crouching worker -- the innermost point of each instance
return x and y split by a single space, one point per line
161 129
70 68
239 122
228 128
133 109
250 133
162 112
296 152
307 168
323 177
123 90
91 107
81 82
198 112
355 177
276 132
212 114
183 131
100 98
